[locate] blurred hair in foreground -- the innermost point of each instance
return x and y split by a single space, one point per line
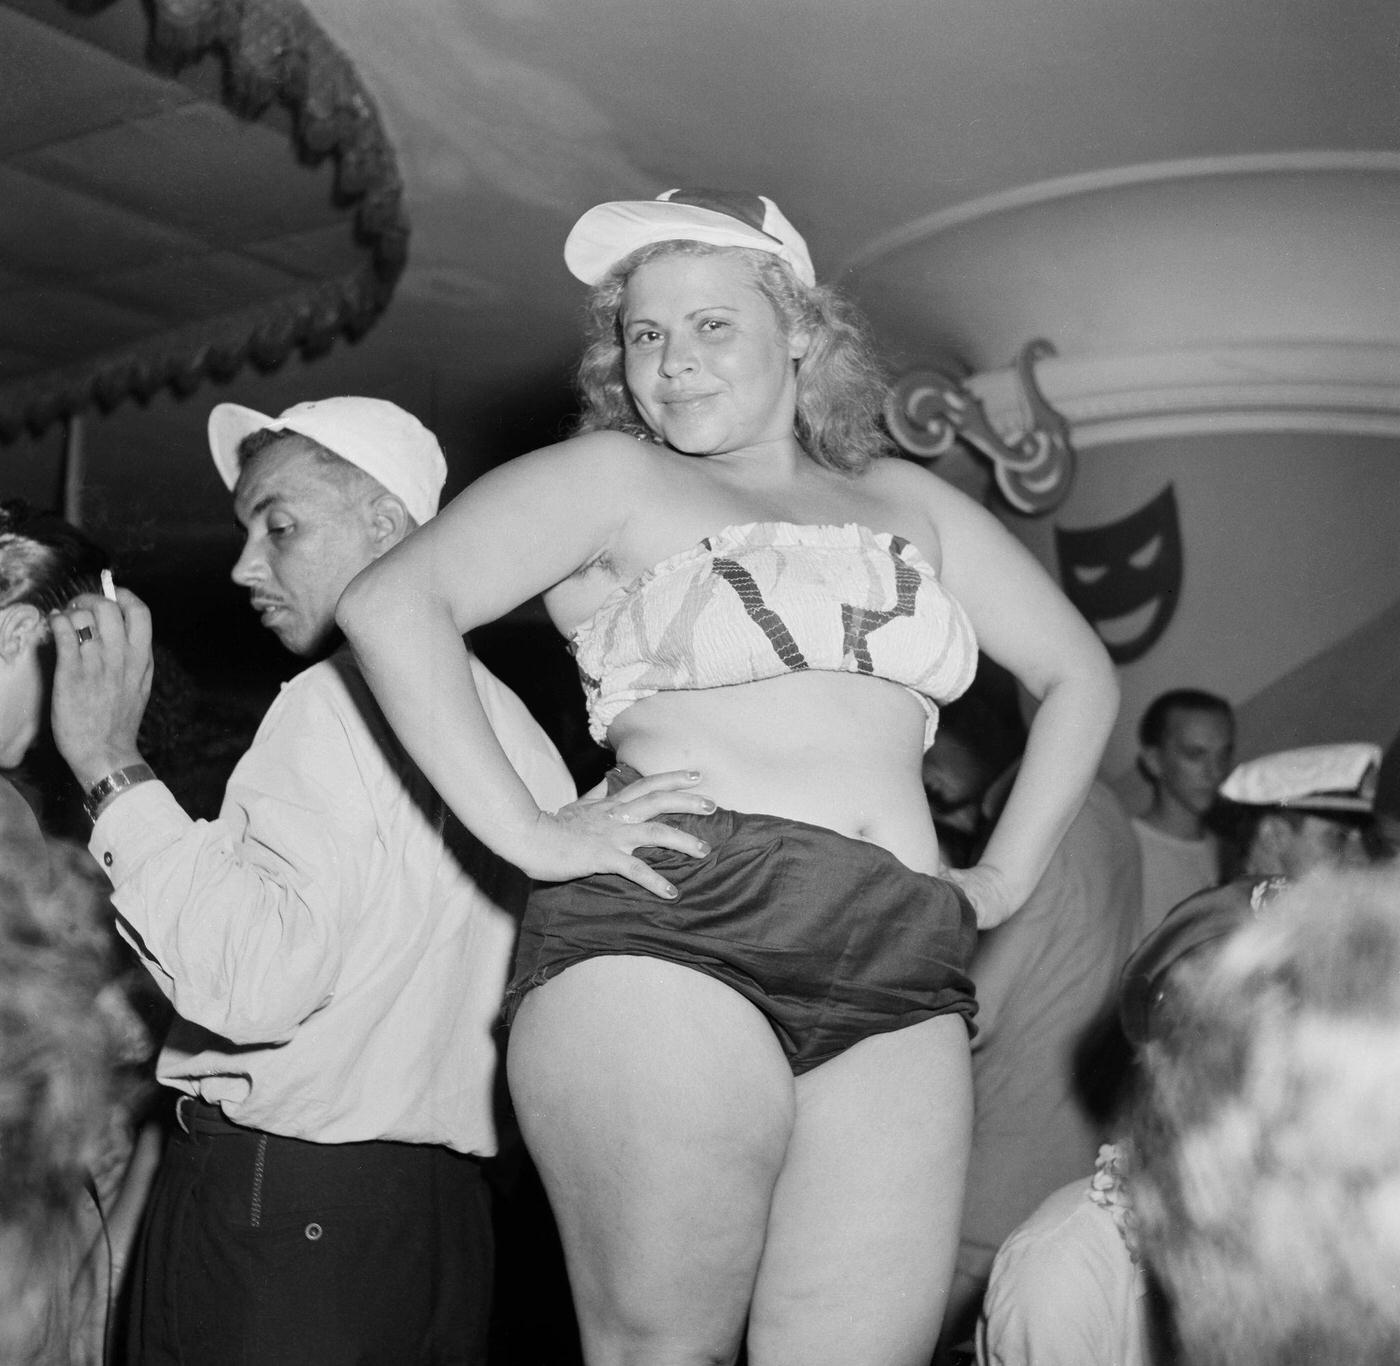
67 1042
1268 1139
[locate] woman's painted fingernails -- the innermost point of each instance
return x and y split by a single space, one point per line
670 893
702 849
694 775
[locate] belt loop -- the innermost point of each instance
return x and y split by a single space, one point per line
183 1105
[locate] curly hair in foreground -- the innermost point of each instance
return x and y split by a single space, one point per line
1268 1185
66 1039
841 385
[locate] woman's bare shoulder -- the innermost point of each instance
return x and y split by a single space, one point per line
916 500
605 445
894 476
598 459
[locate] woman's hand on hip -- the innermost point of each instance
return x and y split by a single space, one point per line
600 832
984 886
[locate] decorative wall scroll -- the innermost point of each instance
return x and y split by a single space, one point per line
1125 576
927 411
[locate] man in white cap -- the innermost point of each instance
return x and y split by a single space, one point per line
335 945
1300 809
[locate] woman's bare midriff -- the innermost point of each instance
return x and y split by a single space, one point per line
836 750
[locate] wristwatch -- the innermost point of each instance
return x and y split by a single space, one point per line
105 788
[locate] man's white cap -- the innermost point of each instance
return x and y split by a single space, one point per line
723 218
371 433
1316 778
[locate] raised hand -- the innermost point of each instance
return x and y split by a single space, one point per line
102 681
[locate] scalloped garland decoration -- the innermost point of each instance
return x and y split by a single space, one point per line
272 50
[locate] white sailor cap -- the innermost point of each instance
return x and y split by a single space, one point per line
1322 778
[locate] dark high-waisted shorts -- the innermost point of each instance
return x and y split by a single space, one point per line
833 939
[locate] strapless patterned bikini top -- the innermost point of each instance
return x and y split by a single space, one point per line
767 598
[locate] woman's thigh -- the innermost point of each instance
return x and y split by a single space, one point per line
657 1105
864 1220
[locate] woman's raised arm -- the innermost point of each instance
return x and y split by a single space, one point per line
515 532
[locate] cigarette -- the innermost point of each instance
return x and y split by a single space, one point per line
109 589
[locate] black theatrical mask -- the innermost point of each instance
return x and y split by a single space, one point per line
1125 577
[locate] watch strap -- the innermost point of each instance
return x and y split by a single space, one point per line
109 786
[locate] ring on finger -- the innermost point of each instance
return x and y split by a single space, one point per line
84 634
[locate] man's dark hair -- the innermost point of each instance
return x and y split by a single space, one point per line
255 443
1152 729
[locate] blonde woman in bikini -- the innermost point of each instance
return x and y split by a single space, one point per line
739 1044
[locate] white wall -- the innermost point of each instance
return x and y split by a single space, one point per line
1291 544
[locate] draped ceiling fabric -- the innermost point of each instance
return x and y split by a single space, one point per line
186 187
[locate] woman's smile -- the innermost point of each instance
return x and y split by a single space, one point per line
688 402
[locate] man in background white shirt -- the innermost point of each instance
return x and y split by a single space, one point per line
1186 739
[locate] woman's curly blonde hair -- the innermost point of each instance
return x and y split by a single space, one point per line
841 384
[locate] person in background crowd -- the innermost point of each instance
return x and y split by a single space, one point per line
1297 809
43 562
741 1059
1186 738
1065 1290
1267 1184
1069 1286
1045 983
980 738
334 944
